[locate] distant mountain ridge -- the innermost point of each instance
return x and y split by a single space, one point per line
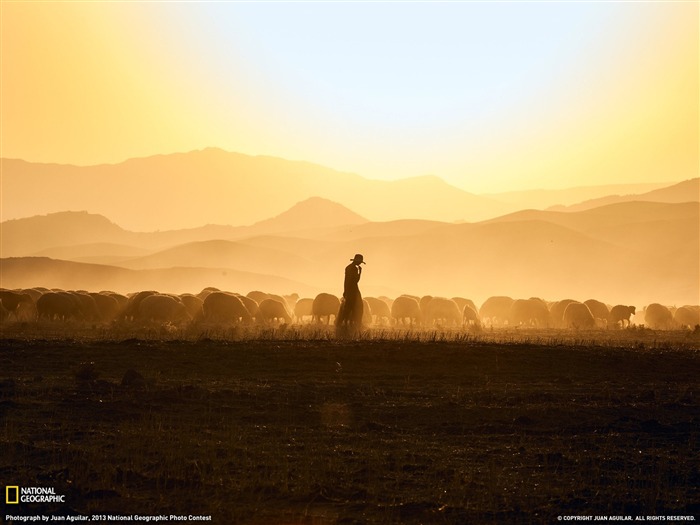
311 213
49 234
27 272
686 191
213 186
627 252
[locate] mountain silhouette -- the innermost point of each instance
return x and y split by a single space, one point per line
631 252
61 233
212 186
686 191
26 272
312 213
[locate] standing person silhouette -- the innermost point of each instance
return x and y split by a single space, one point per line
350 313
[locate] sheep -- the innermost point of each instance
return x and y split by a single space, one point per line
250 304
88 306
578 315
378 309
529 312
58 306
496 309
279 298
162 308
257 296
107 307
131 309
388 300
225 307
600 311
291 300
687 316
325 305
33 293
123 300
21 306
423 303
4 313
406 307
206 291
273 310
470 317
194 306
658 317
621 314
462 302
557 309
442 311
366 313
303 308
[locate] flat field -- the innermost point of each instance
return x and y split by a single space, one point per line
382 429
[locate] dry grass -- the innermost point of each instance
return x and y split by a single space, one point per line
293 425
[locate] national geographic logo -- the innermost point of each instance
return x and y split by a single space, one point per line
14 495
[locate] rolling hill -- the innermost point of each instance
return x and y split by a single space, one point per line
58 234
686 191
212 186
27 272
631 252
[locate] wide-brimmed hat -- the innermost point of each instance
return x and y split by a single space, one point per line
358 259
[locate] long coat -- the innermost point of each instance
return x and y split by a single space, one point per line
351 307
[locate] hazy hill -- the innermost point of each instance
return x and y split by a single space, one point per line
633 252
73 234
611 215
66 229
61 235
686 191
99 252
213 186
26 272
312 213
224 254
542 199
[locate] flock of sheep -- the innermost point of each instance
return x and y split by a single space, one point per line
215 307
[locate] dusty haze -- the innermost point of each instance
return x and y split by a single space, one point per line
620 249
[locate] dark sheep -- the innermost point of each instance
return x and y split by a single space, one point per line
225 307
19 305
557 310
378 309
303 308
60 306
406 307
578 316
271 310
530 312
107 306
162 308
496 310
194 306
131 310
440 310
325 305
621 314
687 316
658 317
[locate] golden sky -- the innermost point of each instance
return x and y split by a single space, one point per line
488 96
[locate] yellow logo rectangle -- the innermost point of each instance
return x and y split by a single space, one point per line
11 494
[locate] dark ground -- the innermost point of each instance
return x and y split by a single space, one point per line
321 432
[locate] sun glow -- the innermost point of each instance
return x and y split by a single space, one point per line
489 97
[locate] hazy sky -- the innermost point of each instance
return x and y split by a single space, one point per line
490 96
